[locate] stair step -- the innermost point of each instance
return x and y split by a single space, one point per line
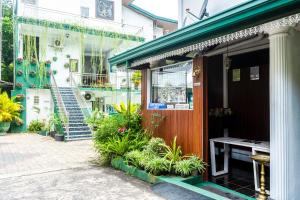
79 129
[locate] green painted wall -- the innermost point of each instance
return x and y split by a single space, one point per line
28 75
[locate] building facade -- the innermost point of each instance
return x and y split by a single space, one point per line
67 46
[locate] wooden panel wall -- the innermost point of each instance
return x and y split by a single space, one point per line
187 125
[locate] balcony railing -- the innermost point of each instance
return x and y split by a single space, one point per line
70 18
89 80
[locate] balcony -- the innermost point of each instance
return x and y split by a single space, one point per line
102 81
63 18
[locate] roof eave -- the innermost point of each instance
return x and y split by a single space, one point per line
250 13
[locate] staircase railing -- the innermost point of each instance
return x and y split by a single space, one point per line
86 110
63 113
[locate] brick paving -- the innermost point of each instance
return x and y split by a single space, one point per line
36 167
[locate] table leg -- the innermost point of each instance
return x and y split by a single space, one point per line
213 158
226 157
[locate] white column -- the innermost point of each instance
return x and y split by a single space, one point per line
284 114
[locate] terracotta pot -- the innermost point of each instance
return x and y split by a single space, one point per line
4 127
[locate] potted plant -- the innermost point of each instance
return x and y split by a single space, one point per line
20 97
32 73
36 126
19 72
54 58
48 73
9 112
67 65
32 86
59 137
19 85
19 60
136 79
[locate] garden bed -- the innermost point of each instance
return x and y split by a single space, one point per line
118 163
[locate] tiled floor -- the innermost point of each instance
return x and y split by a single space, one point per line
239 179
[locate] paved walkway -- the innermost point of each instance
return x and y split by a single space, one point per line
36 167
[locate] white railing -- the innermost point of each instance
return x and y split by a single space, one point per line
63 113
90 80
70 18
86 110
114 81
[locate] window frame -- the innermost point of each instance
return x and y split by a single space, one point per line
150 87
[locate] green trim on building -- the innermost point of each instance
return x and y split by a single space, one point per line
243 16
78 28
108 89
24 81
151 15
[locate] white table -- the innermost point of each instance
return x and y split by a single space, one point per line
255 147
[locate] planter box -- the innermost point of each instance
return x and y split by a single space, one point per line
43 133
118 163
4 127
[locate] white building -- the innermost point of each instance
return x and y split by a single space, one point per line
77 37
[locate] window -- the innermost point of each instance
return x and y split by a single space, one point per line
31 2
172 86
105 9
84 12
36 100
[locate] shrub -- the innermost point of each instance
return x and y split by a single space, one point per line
108 128
157 166
156 146
9 110
184 167
198 164
36 126
95 119
173 152
134 158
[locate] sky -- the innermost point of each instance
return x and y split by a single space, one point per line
169 8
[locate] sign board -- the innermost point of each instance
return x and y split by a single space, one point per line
254 73
236 75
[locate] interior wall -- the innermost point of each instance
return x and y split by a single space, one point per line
249 99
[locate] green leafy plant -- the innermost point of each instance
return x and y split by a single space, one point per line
134 158
173 152
156 146
9 109
95 119
184 167
136 78
157 166
128 109
36 126
197 164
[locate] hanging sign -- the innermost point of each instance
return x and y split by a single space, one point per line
254 73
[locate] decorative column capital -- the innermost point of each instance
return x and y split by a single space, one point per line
279 31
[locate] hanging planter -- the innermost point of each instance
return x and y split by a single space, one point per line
67 65
19 85
54 72
68 79
19 60
68 56
33 61
47 86
20 97
19 72
48 74
32 73
48 63
54 58
32 86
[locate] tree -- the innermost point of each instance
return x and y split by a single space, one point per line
7 67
